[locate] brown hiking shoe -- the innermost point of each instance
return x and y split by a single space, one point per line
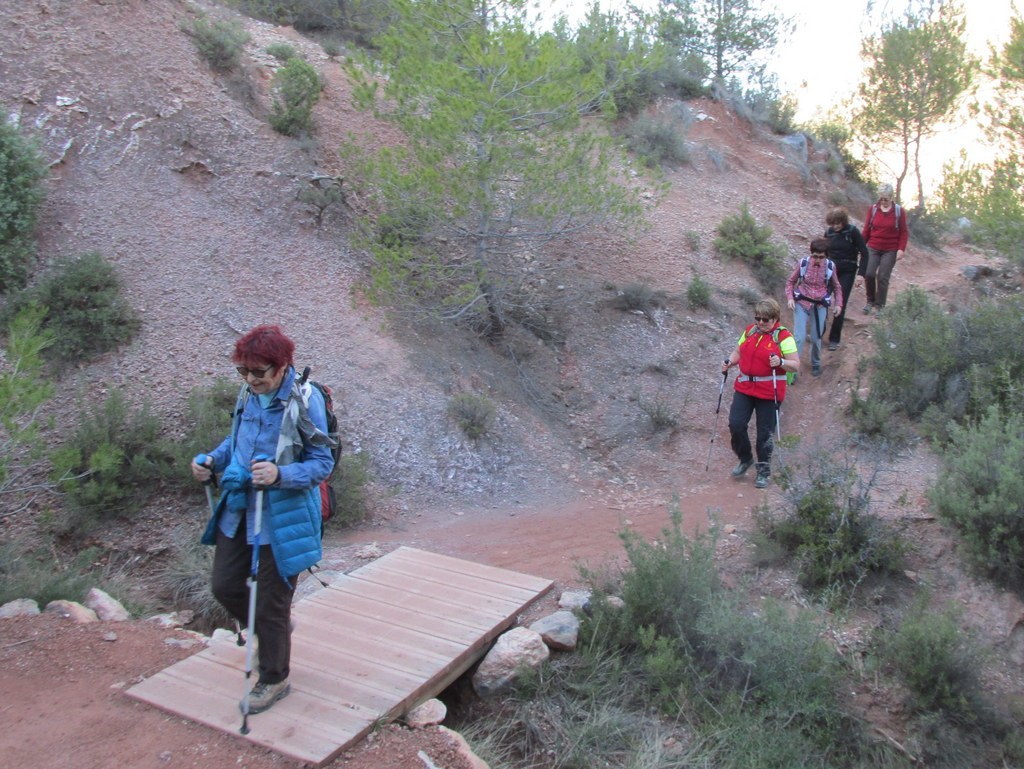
264 695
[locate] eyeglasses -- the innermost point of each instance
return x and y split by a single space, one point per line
259 373
762 319
818 256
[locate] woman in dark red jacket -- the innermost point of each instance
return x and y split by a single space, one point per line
885 231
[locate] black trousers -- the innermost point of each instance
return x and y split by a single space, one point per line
846 281
743 406
232 564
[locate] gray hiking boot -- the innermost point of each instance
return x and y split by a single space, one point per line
742 468
764 473
264 695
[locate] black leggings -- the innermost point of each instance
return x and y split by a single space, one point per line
743 406
846 281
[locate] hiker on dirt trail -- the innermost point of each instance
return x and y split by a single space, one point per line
886 233
764 353
849 252
811 289
268 422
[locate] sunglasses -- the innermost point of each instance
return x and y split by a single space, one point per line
259 373
762 318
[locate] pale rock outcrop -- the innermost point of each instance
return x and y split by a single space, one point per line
575 600
71 610
19 607
107 608
464 750
513 650
429 713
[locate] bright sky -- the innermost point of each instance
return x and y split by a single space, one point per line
819 64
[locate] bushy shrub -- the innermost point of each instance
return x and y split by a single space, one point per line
183 580
639 297
85 309
282 51
210 409
937 661
660 412
116 454
21 173
657 142
698 293
980 492
220 42
741 237
297 89
350 481
837 543
474 414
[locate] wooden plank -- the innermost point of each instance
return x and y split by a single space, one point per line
472 569
466 589
412 596
380 640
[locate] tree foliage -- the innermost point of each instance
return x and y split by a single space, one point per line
21 174
297 88
497 158
918 70
727 35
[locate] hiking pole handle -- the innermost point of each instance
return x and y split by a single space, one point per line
205 460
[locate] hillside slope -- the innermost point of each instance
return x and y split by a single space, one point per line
172 172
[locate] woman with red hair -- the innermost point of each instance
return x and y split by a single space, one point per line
279 447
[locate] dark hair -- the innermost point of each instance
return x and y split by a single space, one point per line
264 344
819 246
838 215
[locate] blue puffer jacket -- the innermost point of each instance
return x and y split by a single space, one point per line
291 508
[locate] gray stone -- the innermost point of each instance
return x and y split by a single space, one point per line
19 607
108 609
575 600
429 713
71 610
518 648
560 630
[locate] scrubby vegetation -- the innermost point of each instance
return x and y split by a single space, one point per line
741 237
219 41
474 414
297 89
21 173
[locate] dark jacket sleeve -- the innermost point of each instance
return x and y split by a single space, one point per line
861 245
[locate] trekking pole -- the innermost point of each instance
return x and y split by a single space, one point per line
778 411
250 632
718 408
210 484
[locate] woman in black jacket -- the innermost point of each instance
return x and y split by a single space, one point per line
846 247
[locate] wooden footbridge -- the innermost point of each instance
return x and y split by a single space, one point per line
366 649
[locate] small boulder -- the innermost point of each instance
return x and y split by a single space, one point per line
518 647
429 713
575 600
560 630
108 609
19 607
71 610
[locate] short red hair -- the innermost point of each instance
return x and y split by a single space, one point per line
264 344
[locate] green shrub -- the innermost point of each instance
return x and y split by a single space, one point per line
183 580
660 412
837 543
639 297
282 51
220 42
331 47
350 481
937 661
22 171
980 492
23 389
741 237
115 456
692 240
474 414
28 569
657 142
297 89
698 293
85 309
210 410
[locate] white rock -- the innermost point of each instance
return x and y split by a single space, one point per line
512 651
19 607
574 600
429 713
108 609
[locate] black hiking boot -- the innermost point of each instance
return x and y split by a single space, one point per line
742 468
764 473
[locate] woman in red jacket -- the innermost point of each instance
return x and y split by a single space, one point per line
764 353
885 231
